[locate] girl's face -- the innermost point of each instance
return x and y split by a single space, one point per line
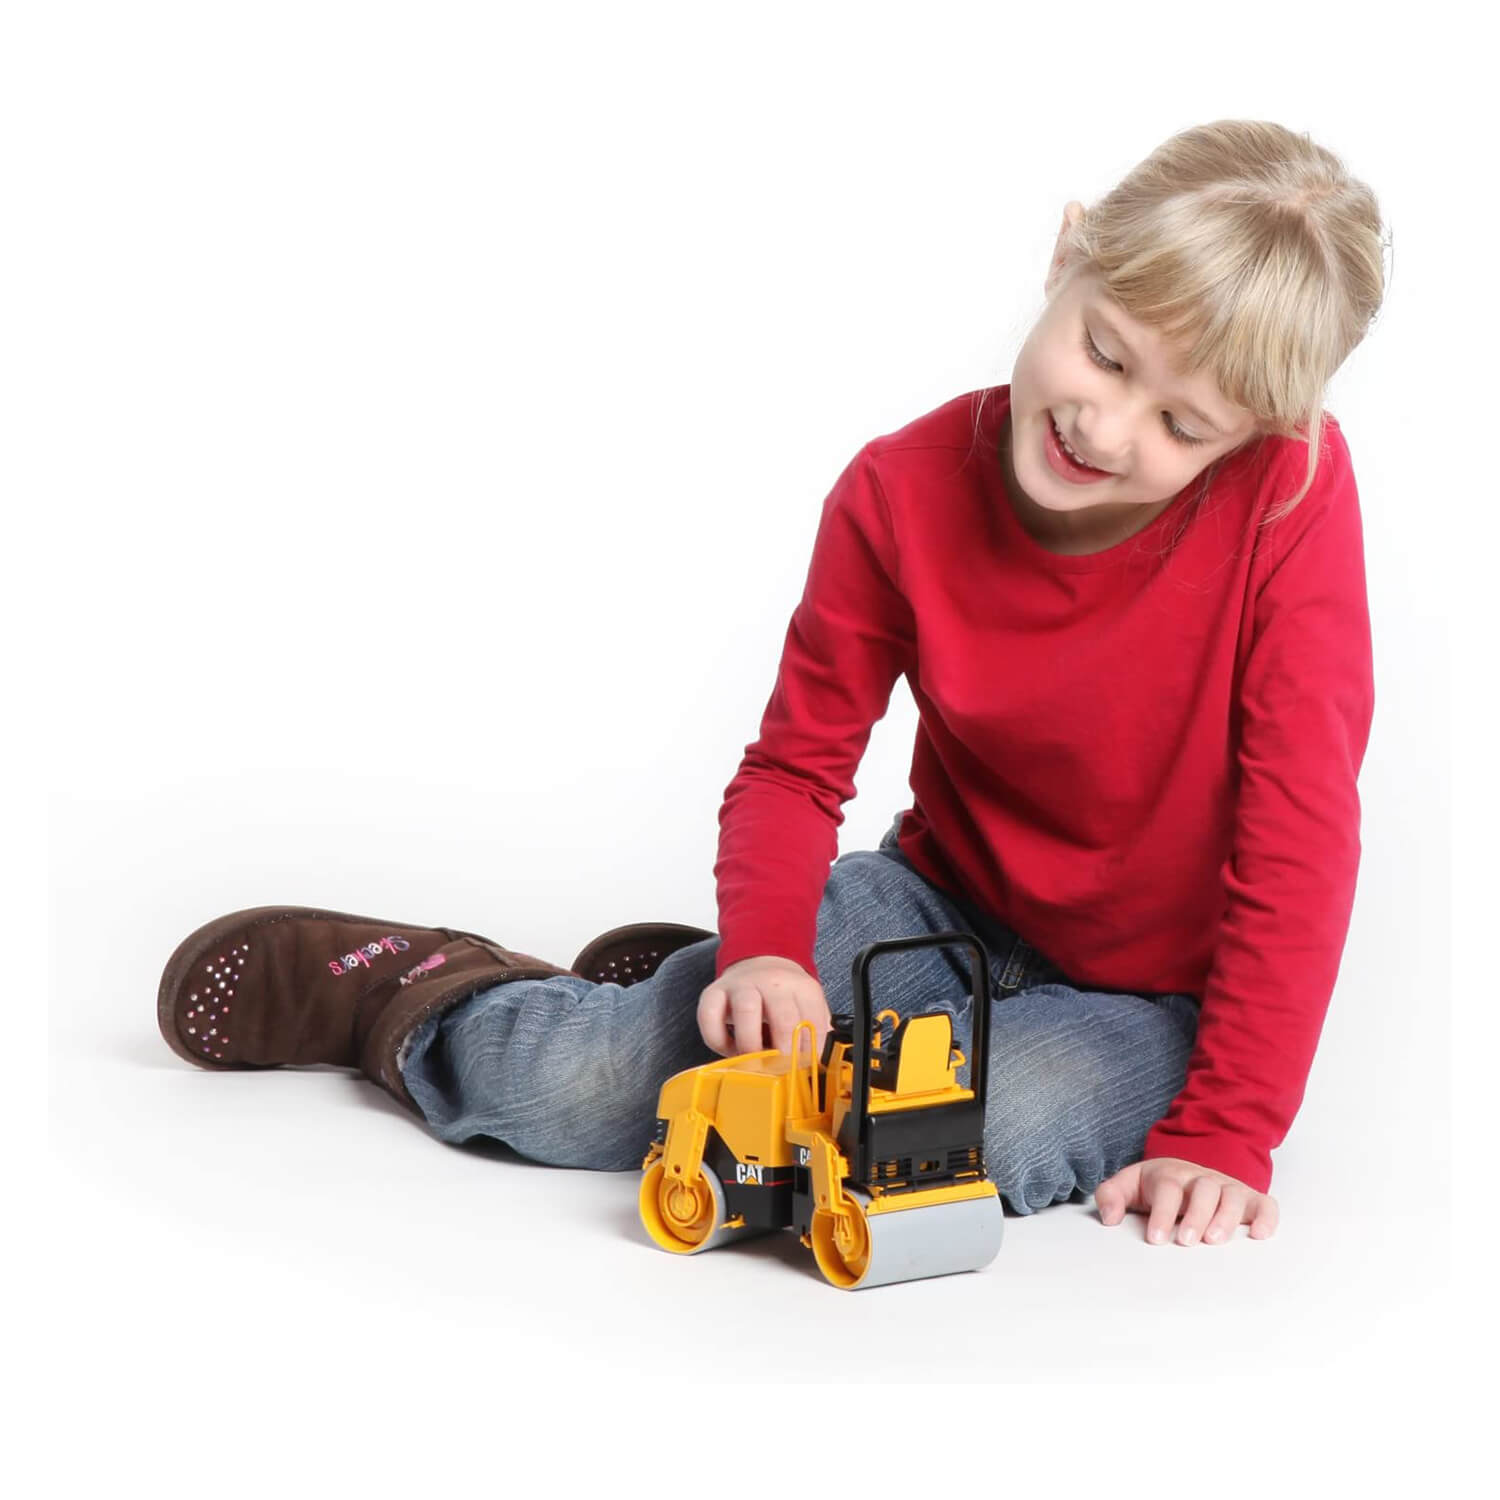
1111 386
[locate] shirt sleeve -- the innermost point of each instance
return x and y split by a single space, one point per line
1305 704
850 637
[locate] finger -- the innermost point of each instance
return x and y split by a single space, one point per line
818 1013
745 1011
713 1011
806 1050
1202 1201
1227 1219
1166 1199
1266 1217
781 1016
1114 1194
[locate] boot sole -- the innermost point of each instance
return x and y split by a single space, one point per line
632 944
208 937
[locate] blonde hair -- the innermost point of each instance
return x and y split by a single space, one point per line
1253 251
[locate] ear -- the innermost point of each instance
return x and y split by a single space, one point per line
1072 212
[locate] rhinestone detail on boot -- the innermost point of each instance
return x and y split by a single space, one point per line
212 1008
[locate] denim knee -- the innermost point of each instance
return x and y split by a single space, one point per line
562 1070
872 895
1072 1100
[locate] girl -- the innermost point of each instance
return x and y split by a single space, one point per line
1127 591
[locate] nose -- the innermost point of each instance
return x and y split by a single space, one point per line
1106 435
1099 447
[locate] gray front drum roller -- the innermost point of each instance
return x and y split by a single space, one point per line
913 1243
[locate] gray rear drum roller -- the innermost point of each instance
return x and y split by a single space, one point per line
688 1218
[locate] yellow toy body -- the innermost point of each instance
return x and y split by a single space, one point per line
873 1153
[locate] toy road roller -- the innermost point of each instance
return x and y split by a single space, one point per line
873 1153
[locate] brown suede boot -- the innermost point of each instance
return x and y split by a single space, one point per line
293 984
627 955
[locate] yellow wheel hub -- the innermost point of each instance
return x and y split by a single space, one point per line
687 1209
679 1216
851 1236
841 1243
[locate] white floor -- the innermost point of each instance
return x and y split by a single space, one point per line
306 1199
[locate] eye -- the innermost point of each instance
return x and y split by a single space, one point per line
1105 363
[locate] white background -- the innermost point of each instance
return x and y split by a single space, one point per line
430 408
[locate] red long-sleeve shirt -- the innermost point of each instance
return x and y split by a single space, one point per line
1143 761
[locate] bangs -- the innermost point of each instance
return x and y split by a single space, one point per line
1229 305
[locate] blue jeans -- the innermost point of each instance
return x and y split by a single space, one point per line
567 1072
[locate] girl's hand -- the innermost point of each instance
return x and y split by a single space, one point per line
756 1004
1216 1204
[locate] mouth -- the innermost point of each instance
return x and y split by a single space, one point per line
1071 451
